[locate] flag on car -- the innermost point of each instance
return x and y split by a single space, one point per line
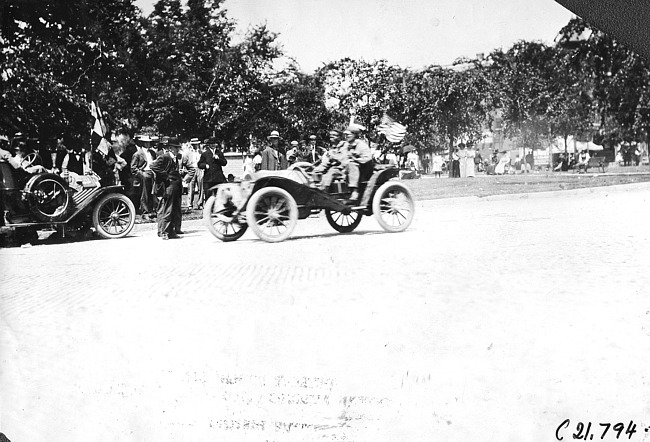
392 130
98 133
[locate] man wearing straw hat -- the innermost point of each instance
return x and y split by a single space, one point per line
270 154
190 164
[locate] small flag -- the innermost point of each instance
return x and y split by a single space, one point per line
98 132
393 131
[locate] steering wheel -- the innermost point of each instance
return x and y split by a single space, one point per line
28 160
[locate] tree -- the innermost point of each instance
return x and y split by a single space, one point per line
53 51
450 104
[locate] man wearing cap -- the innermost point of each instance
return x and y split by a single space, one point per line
168 179
358 157
211 162
270 153
190 165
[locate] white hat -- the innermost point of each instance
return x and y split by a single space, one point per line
274 134
294 143
195 141
144 138
355 128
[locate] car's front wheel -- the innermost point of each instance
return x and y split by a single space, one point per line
114 216
393 206
272 214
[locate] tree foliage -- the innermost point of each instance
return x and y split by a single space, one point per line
179 72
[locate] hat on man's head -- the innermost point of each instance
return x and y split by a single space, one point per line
294 143
195 141
355 128
274 134
336 132
144 138
312 137
172 142
155 139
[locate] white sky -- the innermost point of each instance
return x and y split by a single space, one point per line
409 33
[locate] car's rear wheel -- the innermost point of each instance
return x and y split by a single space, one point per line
341 222
221 222
393 206
114 216
272 213
49 198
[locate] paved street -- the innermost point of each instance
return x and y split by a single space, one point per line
488 320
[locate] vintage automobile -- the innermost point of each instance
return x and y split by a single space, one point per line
271 203
70 204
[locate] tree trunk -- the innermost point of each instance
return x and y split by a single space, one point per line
450 163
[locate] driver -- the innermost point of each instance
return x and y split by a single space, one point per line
20 160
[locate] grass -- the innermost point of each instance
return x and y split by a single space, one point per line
487 185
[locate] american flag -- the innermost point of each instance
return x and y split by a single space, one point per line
393 131
98 133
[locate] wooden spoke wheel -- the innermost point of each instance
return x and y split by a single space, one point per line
272 213
341 222
221 222
114 216
393 206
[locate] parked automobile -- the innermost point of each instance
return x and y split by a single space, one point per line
70 203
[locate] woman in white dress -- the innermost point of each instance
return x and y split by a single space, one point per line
469 162
462 155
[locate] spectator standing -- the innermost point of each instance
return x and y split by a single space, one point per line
211 162
103 164
168 181
270 153
190 166
315 152
249 166
144 176
292 153
436 164
462 160
478 161
126 148
257 160
425 164
469 162
70 158
455 164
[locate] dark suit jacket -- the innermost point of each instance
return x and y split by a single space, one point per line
138 162
214 173
166 169
74 165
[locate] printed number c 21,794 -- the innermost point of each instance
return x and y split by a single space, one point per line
601 430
